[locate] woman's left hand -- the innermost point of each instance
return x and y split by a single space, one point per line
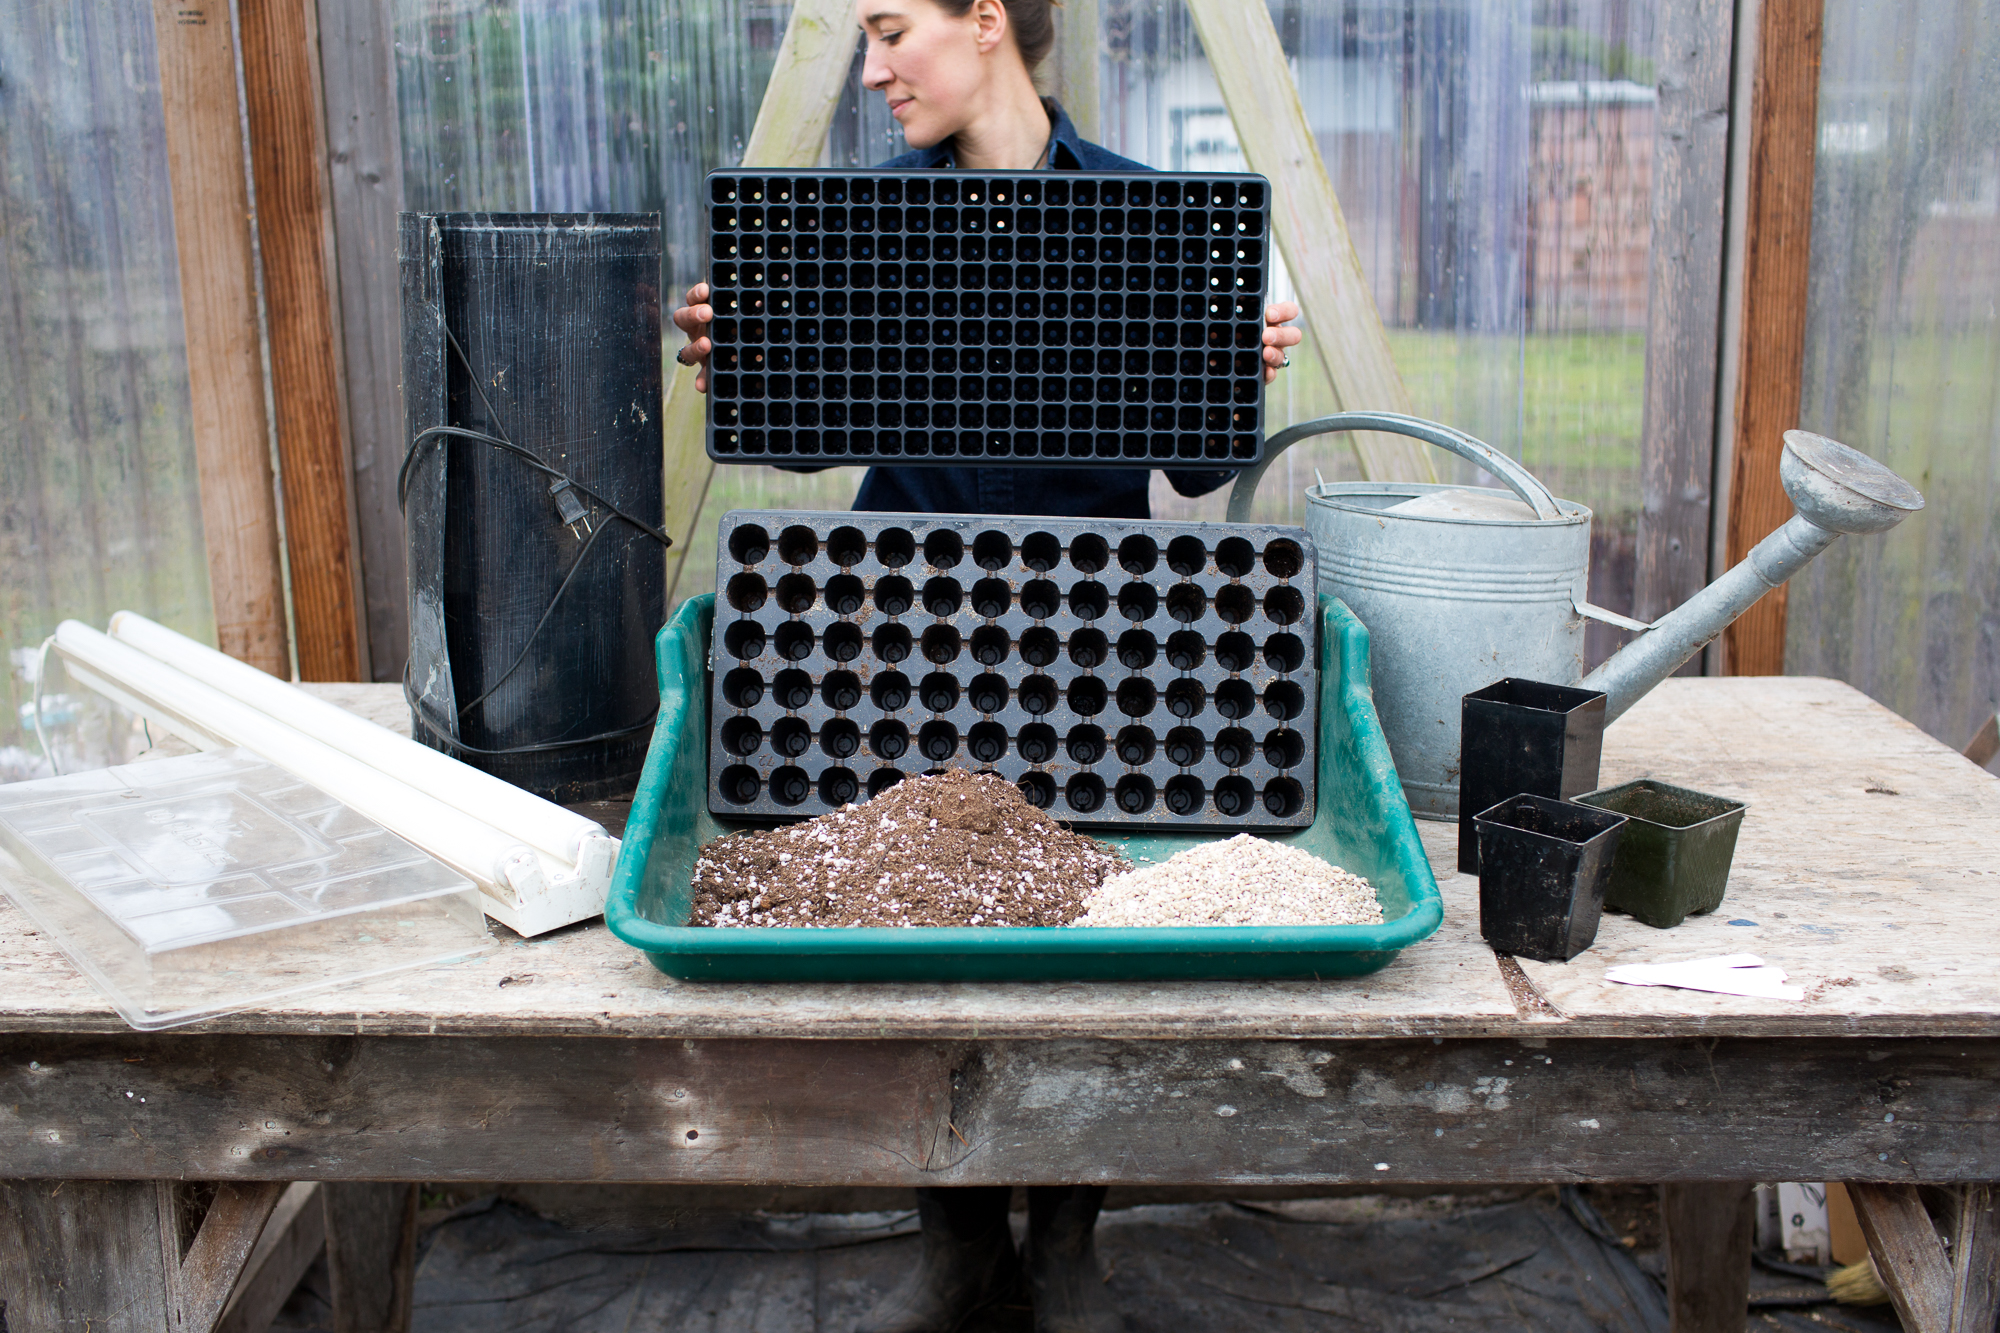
1277 338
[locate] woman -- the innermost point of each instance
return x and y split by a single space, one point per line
957 77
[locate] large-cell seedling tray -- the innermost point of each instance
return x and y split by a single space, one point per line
1363 824
1118 672
1058 318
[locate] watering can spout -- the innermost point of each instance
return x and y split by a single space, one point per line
1836 490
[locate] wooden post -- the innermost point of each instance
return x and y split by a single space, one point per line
1777 248
790 134
1709 1232
281 79
1690 171
232 441
1934 1290
371 1246
1075 77
1345 339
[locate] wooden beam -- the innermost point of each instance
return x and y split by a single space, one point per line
1975 1260
1074 80
292 1240
1709 1230
371 1247
790 134
1345 341
281 80
1777 249
1690 171
232 440
1909 1257
200 1285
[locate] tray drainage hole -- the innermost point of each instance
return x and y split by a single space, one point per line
792 689
894 596
1284 748
890 690
1041 551
796 593
1185 746
837 786
1085 793
1186 698
1284 653
798 545
840 738
882 779
1037 789
743 688
1235 557
1185 603
1136 697
988 693
1187 557
749 544
1039 646
744 639
1185 794
844 594
941 644
1137 649
1283 558
1138 601
739 783
791 737
742 735
1086 696
746 592
1185 650
943 548
1137 554
939 692
1284 700
1234 699
843 642
938 741
1037 694
1089 553
1085 744
943 596
892 642
1135 746
1036 743
1233 796
1088 601
1039 599
790 786
990 598
1088 648
846 546
992 551
795 641
895 547
1233 747
989 645
1134 793
986 742
1235 603
888 739
841 690
1235 651
1285 605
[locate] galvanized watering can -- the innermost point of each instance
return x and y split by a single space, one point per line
1460 587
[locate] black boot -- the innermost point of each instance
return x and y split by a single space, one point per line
968 1263
1063 1277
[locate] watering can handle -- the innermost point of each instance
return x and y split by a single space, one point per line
1518 479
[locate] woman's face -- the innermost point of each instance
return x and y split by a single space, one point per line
927 63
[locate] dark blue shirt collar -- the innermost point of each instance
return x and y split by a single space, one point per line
1068 151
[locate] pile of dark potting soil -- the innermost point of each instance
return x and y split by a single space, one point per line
952 849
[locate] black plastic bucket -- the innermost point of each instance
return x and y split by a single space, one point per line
1524 736
1543 866
532 493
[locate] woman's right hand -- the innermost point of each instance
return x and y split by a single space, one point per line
693 319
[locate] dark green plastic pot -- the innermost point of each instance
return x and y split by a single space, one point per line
1673 858
1363 825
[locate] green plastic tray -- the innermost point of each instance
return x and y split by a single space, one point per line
1363 825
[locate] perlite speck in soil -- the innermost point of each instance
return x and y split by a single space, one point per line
1241 881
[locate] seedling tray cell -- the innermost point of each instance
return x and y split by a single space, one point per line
1120 673
1362 823
1067 318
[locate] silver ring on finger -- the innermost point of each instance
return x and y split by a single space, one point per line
1286 363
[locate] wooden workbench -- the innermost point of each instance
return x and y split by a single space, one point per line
1868 867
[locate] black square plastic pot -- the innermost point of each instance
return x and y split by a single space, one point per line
1543 867
1524 736
1673 857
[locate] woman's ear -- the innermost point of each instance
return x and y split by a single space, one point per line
991 17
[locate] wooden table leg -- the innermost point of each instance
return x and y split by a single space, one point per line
1934 1290
371 1247
1709 1229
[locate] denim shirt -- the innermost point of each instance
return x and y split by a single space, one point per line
1054 492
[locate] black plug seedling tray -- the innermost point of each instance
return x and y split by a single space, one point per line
1056 318
1121 673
